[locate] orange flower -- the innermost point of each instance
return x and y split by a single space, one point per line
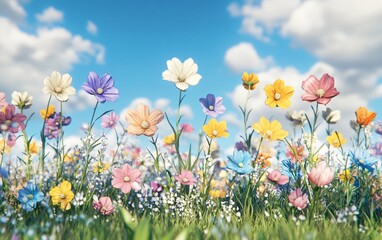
364 117
142 121
250 80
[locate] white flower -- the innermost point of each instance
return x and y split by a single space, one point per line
59 86
331 116
297 118
22 100
182 74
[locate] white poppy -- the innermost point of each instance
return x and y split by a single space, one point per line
182 74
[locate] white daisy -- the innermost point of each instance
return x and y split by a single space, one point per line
59 86
182 74
22 100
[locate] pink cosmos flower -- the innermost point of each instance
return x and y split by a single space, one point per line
110 121
186 128
322 90
126 178
3 103
276 177
11 121
295 153
297 199
104 205
321 175
186 178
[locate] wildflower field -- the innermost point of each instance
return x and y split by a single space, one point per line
321 186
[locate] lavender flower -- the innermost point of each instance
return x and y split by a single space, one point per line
102 88
212 106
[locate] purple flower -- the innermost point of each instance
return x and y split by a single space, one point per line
102 88
212 106
53 125
156 187
110 121
9 121
240 146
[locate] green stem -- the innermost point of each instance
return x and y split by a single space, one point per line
43 139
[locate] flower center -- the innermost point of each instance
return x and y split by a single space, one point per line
185 180
361 161
111 123
61 195
214 132
145 125
58 89
320 92
211 107
268 133
126 179
181 78
99 91
241 165
277 96
30 196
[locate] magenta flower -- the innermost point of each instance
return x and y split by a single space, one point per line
110 121
186 178
126 178
3 102
276 177
102 88
156 187
11 121
212 106
11 140
297 199
321 175
186 128
322 90
104 205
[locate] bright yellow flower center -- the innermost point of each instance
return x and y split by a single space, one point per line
30 196
361 161
126 179
145 125
99 90
277 96
211 108
320 92
268 133
214 132
241 165
185 180
58 89
62 196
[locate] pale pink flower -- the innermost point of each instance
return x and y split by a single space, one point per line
186 128
126 178
186 178
322 90
3 102
321 175
298 199
104 205
110 121
276 177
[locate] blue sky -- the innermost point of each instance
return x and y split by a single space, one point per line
134 39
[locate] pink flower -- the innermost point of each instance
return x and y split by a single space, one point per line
295 153
110 121
11 121
321 175
126 178
319 90
186 178
103 205
277 177
186 128
297 199
3 103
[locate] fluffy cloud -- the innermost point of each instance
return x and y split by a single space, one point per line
50 15
244 57
91 28
13 10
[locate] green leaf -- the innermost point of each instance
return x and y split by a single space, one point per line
129 220
143 230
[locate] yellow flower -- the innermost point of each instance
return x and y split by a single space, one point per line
278 95
346 176
270 131
215 129
250 80
336 139
217 193
100 167
170 139
44 114
33 148
62 195
4 147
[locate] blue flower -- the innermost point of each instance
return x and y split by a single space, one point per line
363 159
212 106
3 172
290 169
102 88
240 162
30 196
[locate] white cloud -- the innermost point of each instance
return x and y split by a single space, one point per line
27 58
13 10
244 57
50 15
91 28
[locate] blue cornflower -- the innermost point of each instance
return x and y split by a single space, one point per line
240 162
102 88
30 196
290 169
212 106
363 159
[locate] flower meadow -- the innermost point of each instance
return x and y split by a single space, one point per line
321 186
